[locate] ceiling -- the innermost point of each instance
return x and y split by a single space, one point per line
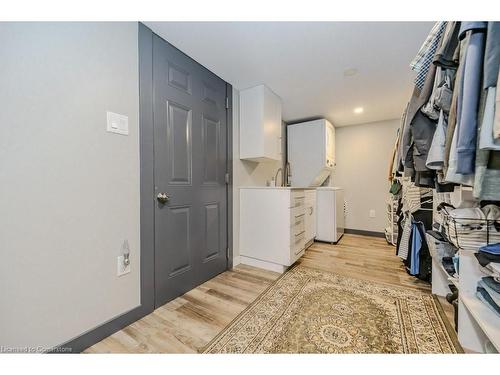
305 63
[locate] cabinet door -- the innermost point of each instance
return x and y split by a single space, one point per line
272 125
309 221
310 214
260 124
313 219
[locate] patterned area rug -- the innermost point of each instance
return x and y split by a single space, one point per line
311 311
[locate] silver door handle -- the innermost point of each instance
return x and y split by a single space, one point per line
162 198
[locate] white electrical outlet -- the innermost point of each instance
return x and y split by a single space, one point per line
121 268
372 213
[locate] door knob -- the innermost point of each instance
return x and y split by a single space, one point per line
162 198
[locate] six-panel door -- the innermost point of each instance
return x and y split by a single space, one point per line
190 165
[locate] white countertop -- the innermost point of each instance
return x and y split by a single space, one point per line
277 187
329 188
292 187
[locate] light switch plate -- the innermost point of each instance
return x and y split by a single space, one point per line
372 213
117 123
121 269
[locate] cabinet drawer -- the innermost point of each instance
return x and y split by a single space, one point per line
297 254
297 193
310 196
297 201
297 218
298 238
297 246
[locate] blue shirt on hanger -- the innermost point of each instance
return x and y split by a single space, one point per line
416 245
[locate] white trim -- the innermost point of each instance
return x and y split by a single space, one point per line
236 260
263 264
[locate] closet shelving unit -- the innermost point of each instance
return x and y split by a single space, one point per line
440 278
391 232
478 325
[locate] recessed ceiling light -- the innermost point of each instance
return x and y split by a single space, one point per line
358 110
350 72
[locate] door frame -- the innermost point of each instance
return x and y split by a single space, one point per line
147 201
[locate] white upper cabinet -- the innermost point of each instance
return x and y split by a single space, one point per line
260 124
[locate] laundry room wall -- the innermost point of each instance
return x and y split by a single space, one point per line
69 190
363 153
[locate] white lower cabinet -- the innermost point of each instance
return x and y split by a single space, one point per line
310 216
275 225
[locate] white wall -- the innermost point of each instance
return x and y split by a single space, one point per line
69 191
246 173
363 153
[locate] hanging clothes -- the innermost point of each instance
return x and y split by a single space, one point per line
417 129
491 69
450 134
416 245
430 109
451 144
435 159
445 54
468 100
393 161
418 132
492 55
425 55
496 122
399 213
486 138
487 180
425 259
420 262
422 131
452 175
405 238
452 118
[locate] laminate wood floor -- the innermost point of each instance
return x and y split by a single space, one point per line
188 323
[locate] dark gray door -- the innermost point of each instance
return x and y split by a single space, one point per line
189 110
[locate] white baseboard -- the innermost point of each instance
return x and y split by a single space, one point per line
263 264
236 261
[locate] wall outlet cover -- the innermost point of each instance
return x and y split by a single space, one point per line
372 213
116 123
121 269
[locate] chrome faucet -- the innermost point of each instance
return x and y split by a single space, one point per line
276 177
